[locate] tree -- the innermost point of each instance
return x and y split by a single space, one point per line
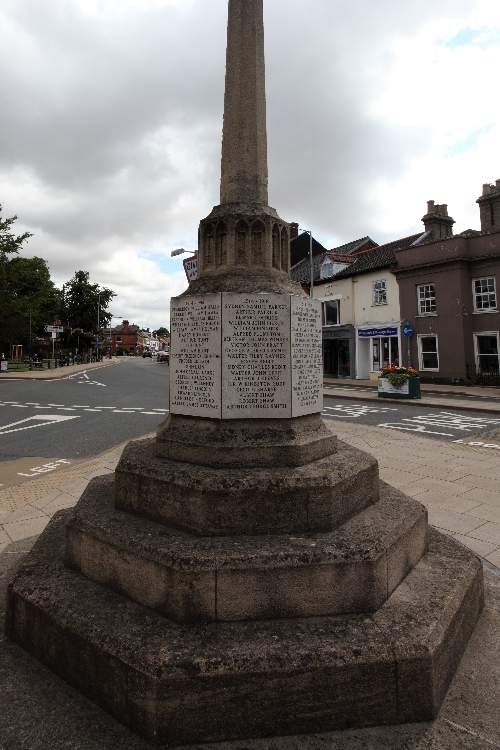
9 242
14 316
163 332
30 300
85 305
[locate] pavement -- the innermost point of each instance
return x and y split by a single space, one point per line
58 373
458 485
476 398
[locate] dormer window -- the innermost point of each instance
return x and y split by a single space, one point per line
327 269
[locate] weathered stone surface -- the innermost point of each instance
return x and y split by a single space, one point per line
180 684
244 142
192 579
245 443
317 497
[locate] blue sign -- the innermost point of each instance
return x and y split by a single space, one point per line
378 332
408 329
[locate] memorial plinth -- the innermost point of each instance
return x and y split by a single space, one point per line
245 574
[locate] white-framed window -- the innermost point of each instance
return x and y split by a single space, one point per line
428 352
331 312
487 350
485 294
380 292
426 299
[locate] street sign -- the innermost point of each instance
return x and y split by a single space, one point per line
54 329
191 267
408 329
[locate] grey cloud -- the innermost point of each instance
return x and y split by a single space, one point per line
94 109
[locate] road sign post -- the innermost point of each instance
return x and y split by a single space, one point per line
408 331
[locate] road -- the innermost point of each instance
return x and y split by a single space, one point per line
83 415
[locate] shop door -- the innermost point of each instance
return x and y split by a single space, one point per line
343 359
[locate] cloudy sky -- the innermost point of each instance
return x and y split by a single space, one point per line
110 125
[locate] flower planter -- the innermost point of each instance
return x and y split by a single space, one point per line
409 390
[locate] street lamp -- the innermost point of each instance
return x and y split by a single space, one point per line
311 269
180 251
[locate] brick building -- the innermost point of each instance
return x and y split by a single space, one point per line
128 339
448 288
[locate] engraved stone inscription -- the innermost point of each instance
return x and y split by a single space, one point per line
307 356
256 356
195 363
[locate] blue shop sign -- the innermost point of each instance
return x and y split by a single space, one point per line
378 332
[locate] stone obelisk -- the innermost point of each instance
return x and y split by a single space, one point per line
243 574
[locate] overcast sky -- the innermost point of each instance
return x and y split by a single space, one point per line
111 116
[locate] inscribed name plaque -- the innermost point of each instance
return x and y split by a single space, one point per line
195 363
256 372
307 356
246 356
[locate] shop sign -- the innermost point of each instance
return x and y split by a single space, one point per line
370 332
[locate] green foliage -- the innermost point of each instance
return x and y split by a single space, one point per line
164 332
29 300
86 304
9 242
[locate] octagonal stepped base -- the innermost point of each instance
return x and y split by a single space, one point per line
184 684
247 443
319 496
196 579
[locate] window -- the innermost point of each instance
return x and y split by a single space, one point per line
426 296
331 312
428 352
485 295
487 353
380 292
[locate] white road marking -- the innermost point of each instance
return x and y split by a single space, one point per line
157 412
42 421
444 419
44 468
478 444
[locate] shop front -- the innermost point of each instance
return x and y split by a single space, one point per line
377 347
339 352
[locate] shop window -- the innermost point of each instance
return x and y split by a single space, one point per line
485 294
331 312
426 296
428 352
380 292
487 353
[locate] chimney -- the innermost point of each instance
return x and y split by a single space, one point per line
294 230
437 222
125 325
489 207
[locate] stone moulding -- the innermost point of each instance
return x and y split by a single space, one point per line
195 579
266 678
203 500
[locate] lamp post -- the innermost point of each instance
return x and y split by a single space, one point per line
311 269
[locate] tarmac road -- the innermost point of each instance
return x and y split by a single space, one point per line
84 414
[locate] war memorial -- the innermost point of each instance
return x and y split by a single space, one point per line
244 574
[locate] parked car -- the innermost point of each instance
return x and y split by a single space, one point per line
147 353
163 357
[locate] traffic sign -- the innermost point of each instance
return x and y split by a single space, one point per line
408 329
54 329
191 267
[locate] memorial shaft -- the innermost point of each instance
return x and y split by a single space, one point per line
244 148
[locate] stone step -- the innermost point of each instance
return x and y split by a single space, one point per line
182 684
319 496
192 579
